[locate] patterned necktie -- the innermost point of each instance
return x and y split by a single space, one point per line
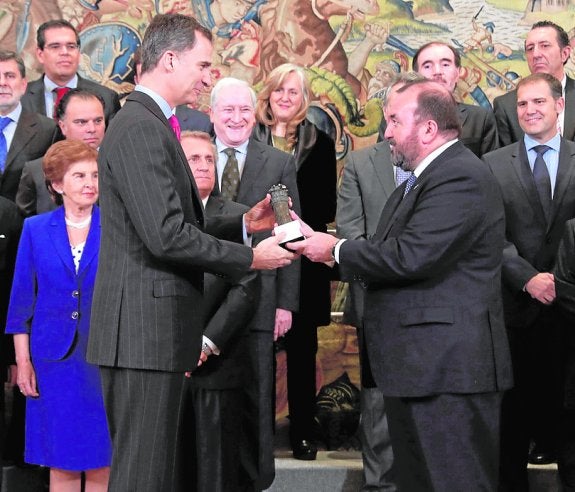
542 179
401 176
409 184
175 124
59 91
231 175
3 144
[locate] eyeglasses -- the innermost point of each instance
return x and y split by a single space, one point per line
59 46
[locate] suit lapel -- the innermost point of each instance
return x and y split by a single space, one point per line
569 121
565 173
463 113
380 158
253 167
520 164
59 237
92 242
25 131
36 91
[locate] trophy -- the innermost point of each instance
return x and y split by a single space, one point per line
291 228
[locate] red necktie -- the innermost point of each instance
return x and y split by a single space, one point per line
60 91
175 124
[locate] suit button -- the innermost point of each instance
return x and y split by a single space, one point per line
75 293
75 315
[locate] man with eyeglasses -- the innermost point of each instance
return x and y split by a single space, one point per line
58 51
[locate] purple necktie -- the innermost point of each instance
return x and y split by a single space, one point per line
4 122
175 124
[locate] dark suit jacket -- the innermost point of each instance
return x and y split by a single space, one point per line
433 316
564 272
148 304
505 109
532 242
45 260
229 308
192 119
34 101
265 167
10 228
316 167
34 135
478 129
33 197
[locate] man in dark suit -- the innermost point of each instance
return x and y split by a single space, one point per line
539 196
25 135
58 51
10 228
80 117
433 313
565 297
369 178
259 167
216 386
147 313
442 63
547 50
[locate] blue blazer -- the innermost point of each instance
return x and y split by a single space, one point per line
49 300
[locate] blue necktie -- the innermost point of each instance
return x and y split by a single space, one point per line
409 184
401 176
4 121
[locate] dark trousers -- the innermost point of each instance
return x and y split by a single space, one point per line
257 449
301 349
447 442
144 410
216 418
532 408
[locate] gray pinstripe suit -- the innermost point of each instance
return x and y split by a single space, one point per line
147 314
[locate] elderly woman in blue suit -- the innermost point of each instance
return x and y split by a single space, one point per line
49 315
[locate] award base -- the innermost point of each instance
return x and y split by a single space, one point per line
292 232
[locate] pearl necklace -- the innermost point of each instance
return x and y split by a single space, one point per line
78 225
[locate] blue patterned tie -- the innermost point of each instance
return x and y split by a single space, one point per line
401 176
4 121
409 184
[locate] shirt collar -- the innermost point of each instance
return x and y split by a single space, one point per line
14 115
50 85
554 142
159 100
430 157
242 148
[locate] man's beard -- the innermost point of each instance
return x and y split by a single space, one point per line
405 161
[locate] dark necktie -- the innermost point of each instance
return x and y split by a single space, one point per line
59 91
231 175
542 179
409 184
4 121
175 124
401 176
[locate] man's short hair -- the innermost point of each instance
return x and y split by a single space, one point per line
231 82
552 82
199 135
54 24
174 32
456 55
76 94
562 36
6 55
435 103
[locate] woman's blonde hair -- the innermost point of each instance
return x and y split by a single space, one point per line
274 80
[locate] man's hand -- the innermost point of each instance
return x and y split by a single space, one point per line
269 255
542 287
317 246
261 216
283 323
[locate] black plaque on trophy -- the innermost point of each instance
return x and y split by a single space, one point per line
291 228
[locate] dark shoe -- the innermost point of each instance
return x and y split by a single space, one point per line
539 456
304 450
